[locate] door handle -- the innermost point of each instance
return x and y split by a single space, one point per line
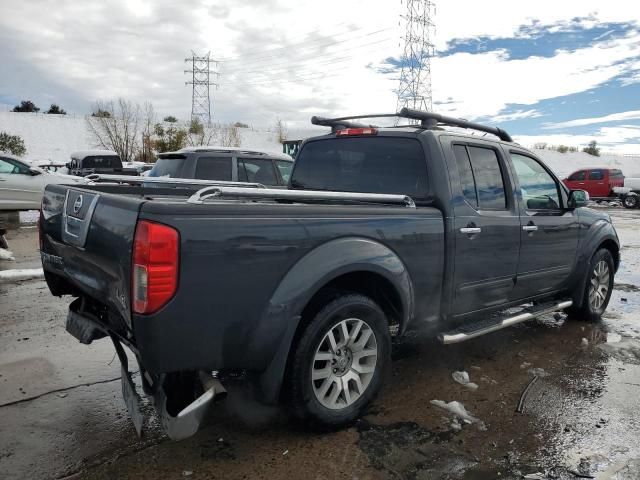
530 228
470 230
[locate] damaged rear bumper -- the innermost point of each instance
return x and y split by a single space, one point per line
178 426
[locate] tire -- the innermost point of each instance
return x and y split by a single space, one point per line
630 201
315 401
598 287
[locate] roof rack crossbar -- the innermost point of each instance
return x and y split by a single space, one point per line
298 195
428 120
338 123
100 178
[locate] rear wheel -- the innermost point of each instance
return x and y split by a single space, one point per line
339 363
598 288
630 201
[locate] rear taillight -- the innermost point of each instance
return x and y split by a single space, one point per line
347 132
154 267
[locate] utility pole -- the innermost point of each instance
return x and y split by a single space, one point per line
415 77
201 74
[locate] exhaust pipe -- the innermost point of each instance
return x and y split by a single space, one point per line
189 419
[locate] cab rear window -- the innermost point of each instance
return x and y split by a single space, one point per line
362 164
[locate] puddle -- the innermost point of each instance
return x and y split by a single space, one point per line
408 451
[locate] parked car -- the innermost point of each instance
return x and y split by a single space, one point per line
599 182
629 193
107 162
382 231
225 164
22 184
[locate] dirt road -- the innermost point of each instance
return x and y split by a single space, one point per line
62 416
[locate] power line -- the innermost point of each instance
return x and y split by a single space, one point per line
310 54
326 42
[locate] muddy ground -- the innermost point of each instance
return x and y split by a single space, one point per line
62 416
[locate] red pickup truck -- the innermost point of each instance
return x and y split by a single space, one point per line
599 182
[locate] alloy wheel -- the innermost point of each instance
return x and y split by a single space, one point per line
344 363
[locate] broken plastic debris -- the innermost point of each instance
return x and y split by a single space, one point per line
525 364
457 409
285 452
462 378
187 473
538 372
584 342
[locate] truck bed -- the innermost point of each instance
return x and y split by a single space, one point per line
232 307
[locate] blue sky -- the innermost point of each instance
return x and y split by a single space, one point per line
563 72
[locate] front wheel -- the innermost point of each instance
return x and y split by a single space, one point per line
339 363
630 201
599 287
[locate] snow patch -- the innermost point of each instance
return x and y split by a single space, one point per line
6 255
457 409
18 275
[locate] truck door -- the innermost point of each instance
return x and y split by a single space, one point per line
487 228
549 232
576 180
598 183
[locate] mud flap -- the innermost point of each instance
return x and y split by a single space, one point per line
131 398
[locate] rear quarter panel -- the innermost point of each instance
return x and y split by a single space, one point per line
234 257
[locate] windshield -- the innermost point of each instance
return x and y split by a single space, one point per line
362 164
102 162
167 167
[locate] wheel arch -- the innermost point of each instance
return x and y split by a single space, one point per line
351 264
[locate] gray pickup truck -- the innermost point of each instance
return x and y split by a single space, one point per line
381 231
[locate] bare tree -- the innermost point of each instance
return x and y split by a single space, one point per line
281 131
145 154
117 130
201 135
230 136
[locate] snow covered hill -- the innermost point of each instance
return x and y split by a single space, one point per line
54 137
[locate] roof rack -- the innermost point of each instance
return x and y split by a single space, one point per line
300 195
428 120
132 179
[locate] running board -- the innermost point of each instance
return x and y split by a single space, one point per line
481 328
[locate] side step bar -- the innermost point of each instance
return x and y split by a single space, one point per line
481 328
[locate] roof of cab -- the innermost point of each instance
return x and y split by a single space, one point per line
81 154
240 150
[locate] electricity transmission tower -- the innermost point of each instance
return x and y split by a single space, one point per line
201 74
415 77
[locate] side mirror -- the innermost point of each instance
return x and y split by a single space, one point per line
578 198
68 165
34 171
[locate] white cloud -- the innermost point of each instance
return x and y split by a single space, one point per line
621 139
517 115
291 59
580 122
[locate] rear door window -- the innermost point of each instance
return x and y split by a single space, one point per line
258 170
167 167
465 173
488 178
362 164
596 175
214 168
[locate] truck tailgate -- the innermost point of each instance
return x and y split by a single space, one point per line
86 244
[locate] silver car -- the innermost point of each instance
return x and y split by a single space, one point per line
22 184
